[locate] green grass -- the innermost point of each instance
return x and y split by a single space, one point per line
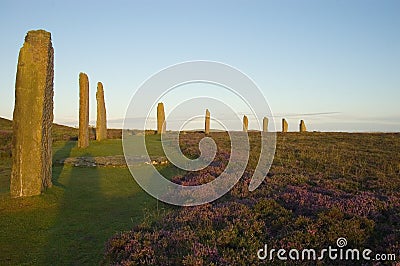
64 149
69 223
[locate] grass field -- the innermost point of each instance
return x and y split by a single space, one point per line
69 223
322 186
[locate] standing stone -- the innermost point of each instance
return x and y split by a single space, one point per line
245 123
161 125
101 122
302 126
207 123
83 138
33 116
284 125
265 124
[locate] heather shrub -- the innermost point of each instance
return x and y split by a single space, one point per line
320 187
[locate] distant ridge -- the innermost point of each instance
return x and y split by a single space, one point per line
202 130
62 132
215 130
6 124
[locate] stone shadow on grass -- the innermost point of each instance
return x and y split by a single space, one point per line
76 227
96 203
62 152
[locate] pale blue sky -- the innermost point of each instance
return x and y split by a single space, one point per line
306 56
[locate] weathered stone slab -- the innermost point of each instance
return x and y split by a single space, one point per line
302 126
285 125
207 122
101 122
113 161
161 124
83 138
33 116
245 123
265 124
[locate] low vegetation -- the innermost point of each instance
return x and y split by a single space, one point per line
321 186
69 223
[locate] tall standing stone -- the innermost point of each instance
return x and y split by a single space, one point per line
101 122
83 138
161 125
33 116
207 122
302 126
265 124
284 125
245 123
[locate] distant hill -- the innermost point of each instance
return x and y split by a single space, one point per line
5 137
60 132
5 124
202 130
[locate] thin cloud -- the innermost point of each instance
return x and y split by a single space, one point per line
307 114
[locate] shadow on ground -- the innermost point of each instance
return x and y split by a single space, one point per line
97 203
64 151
